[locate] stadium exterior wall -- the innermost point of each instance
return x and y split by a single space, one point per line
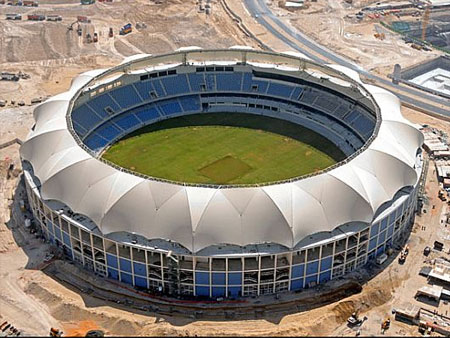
223 275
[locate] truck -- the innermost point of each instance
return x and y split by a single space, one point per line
13 17
54 17
36 17
5 76
83 19
54 332
354 320
30 3
438 245
126 29
381 259
385 325
402 258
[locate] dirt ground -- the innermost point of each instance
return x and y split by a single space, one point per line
30 299
34 302
327 21
52 54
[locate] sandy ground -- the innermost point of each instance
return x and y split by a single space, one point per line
32 300
327 21
52 54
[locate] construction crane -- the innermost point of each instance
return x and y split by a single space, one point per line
425 19
70 27
79 30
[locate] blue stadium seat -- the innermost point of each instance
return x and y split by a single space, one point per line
210 81
100 102
261 86
78 128
144 88
108 131
158 88
341 110
363 125
247 82
85 117
126 96
229 82
279 89
95 142
147 114
326 104
196 80
352 116
190 103
170 107
175 84
309 97
296 93
127 122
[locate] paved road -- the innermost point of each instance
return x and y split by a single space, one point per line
259 7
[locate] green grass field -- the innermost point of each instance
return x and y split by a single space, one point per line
224 149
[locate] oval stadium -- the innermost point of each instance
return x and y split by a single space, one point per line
222 173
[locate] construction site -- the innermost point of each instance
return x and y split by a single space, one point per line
45 44
363 30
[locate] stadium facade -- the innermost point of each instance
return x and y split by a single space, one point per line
233 240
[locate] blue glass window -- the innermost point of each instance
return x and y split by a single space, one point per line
113 273
384 223
374 230
325 264
202 291
324 277
112 261
50 227
139 269
372 243
390 231
234 278
126 278
66 239
218 291
58 234
312 268
297 284
218 278
202 278
310 279
234 291
382 238
125 265
139 281
298 270
380 250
